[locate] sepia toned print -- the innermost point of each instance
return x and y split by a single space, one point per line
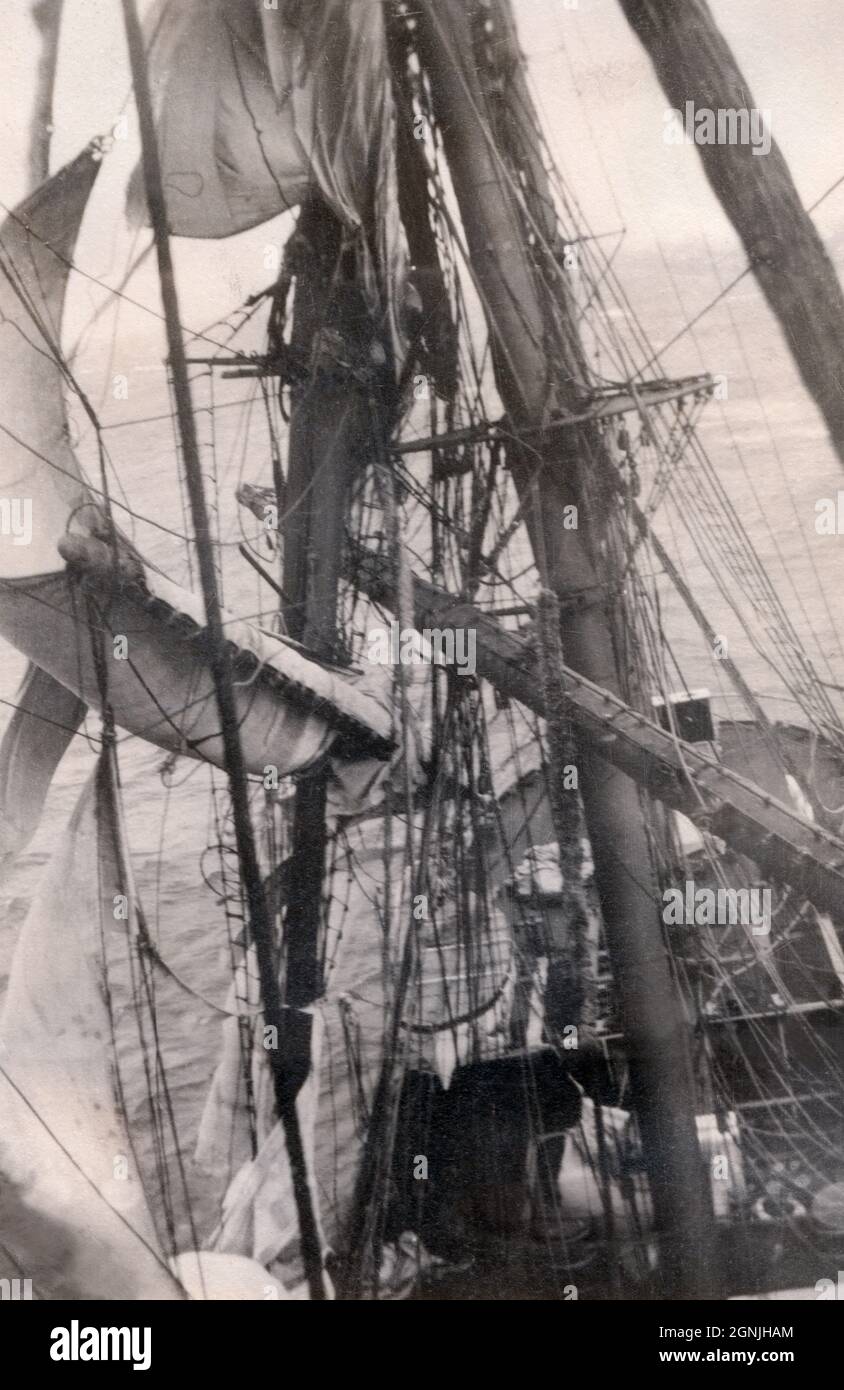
421 725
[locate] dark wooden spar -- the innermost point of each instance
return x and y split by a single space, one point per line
694 64
655 1030
48 17
329 420
260 926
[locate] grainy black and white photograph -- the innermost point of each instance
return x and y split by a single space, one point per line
422 659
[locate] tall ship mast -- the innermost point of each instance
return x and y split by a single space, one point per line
423 926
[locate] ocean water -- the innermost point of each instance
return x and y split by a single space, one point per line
770 450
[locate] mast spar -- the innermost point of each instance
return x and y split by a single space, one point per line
47 15
260 926
329 422
695 66
657 1035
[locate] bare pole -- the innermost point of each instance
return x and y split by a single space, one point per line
655 1028
260 925
330 426
694 64
47 15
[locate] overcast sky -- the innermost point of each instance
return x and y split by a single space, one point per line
602 108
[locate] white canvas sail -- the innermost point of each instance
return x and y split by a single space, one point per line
285 100
259 1216
72 1209
220 175
44 721
368 939
164 691
41 483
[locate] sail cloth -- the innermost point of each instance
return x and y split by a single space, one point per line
347 1056
46 717
292 709
258 106
41 483
231 157
73 1213
259 1218
366 942
72 1208
209 1276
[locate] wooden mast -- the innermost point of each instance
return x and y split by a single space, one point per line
331 421
694 64
47 15
260 926
656 1032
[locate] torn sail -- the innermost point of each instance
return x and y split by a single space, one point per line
41 483
45 719
259 1218
71 1202
230 154
292 710
457 1011
257 107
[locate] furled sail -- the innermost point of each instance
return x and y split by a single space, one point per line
260 105
71 1202
292 710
